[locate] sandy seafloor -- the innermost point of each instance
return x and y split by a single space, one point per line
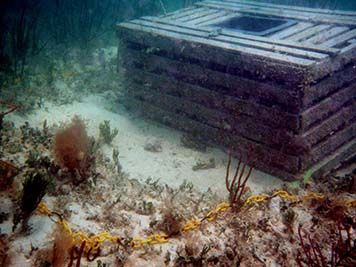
172 165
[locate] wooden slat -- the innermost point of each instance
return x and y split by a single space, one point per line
326 67
216 79
197 48
215 100
209 18
279 118
184 12
229 37
340 39
285 43
206 109
329 18
282 73
241 125
213 90
347 55
258 39
291 30
218 20
296 8
198 14
313 94
177 11
281 13
187 100
327 107
265 93
274 116
222 42
330 145
310 32
320 132
345 152
323 36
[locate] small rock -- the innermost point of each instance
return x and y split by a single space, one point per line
204 165
65 189
153 147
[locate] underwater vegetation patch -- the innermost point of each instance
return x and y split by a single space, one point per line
72 148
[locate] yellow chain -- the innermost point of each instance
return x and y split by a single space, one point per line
256 199
212 215
313 195
150 240
94 242
192 224
43 209
66 227
285 195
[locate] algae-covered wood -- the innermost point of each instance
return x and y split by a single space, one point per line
282 92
